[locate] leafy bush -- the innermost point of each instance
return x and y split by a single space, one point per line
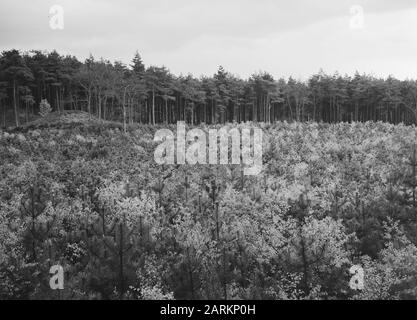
44 108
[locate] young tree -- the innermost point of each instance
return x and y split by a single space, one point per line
44 108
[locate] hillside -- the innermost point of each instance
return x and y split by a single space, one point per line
79 192
65 120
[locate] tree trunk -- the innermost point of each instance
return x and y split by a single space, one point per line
16 113
153 105
57 100
124 111
166 111
4 114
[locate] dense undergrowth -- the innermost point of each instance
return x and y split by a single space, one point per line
81 193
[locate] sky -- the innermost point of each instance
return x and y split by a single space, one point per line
284 37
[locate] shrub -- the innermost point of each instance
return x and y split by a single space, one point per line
44 108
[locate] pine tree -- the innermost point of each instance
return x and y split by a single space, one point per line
137 64
13 67
44 108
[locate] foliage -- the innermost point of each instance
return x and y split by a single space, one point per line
44 108
89 197
139 94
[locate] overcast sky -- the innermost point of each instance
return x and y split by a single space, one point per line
291 37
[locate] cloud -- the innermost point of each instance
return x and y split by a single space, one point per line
196 36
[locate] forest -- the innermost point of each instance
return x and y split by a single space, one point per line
80 188
136 94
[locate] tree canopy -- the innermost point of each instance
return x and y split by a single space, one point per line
152 94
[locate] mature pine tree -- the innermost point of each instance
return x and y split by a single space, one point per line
137 64
3 97
154 95
14 70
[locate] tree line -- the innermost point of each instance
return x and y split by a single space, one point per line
137 94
